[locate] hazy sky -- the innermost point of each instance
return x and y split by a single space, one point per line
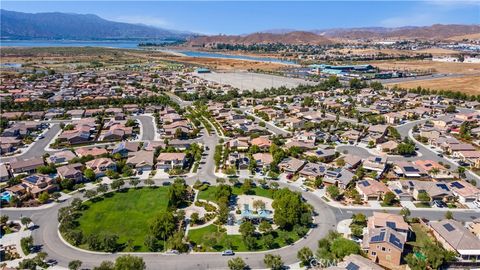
229 17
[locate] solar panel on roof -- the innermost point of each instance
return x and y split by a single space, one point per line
443 186
394 240
378 159
398 191
410 169
448 227
379 237
391 224
352 266
365 183
457 185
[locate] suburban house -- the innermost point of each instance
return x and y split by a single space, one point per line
351 161
26 165
291 165
141 161
126 148
261 142
408 169
384 246
455 237
388 147
340 177
39 183
168 161
377 164
464 191
101 165
263 160
71 171
371 189
61 157
434 169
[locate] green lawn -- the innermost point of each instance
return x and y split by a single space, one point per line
423 205
421 235
209 193
200 237
126 214
259 191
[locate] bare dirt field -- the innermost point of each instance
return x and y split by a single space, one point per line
433 51
467 84
425 65
225 64
250 81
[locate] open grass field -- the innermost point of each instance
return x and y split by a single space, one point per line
212 240
126 214
466 84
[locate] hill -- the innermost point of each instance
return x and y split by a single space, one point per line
56 25
296 37
433 32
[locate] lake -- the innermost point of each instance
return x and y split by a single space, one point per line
131 44
121 44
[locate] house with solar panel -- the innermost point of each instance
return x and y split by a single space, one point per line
464 191
384 246
455 237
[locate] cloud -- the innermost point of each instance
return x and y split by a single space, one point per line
147 20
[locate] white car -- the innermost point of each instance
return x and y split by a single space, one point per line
477 204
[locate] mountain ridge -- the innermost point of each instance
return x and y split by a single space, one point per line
58 25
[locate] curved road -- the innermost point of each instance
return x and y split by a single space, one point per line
327 217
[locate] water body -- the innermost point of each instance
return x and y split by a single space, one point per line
234 56
121 44
131 44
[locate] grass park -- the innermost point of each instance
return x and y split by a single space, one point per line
126 213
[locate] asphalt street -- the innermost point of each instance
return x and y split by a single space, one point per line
326 219
148 129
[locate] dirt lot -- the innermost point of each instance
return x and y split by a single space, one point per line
226 64
250 81
66 58
425 65
433 51
467 84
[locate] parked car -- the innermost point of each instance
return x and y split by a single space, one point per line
463 163
439 204
440 155
476 203
228 252
289 176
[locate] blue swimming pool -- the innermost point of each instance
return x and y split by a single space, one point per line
5 196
